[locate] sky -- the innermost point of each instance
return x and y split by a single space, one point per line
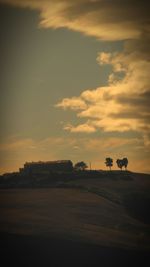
75 82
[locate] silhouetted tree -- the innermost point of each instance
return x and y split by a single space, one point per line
122 163
119 163
80 166
109 162
125 162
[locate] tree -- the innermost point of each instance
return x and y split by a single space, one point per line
122 163
80 166
125 162
119 163
109 162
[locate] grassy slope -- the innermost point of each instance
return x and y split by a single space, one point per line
91 210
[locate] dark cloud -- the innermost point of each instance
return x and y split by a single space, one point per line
141 101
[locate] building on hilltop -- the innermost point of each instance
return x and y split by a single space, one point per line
46 167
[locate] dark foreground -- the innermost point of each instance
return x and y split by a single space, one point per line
19 250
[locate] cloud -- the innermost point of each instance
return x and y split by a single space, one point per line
123 104
17 144
110 108
82 128
104 58
106 20
75 103
105 144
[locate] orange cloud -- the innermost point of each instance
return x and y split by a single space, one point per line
82 128
75 103
122 105
106 20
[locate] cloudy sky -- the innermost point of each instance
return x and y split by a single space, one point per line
75 82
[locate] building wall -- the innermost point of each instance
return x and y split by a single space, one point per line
46 167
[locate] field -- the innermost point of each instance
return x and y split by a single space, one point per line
108 216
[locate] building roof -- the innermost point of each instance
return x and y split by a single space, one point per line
47 162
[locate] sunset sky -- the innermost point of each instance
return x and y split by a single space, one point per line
75 82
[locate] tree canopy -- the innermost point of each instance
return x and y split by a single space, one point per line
109 162
122 163
80 166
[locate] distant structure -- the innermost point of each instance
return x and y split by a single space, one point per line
47 167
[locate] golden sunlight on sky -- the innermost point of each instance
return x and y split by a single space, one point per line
73 108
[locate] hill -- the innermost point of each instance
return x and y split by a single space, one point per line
109 209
